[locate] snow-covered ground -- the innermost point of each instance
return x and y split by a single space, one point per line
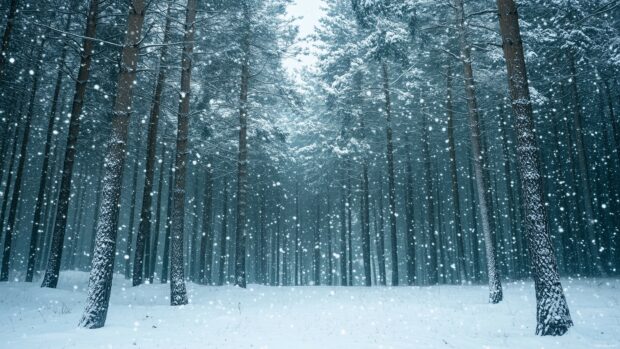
304 317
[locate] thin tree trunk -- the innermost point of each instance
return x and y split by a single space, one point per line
552 310
242 162
297 241
590 218
155 244
223 235
495 286
178 293
19 176
144 229
391 179
343 238
166 253
317 245
100 283
381 242
456 200
60 223
132 207
432 234
206 240
42 200
330 250
410 237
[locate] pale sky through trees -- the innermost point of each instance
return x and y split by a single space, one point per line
310 12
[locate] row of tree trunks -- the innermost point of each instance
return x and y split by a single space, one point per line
60 223
9 228
144 229
495 287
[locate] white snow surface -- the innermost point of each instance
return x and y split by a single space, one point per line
304 317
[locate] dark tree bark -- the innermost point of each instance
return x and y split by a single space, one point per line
242 162
224 235
553 317
166 253
454 185
42 200
206 240
590 219
132 205
391 177
100 282
343 238
60 224
155 243
151 141
495 286
330 250
432 233
297 241
410 237
317 245
9 228
381 242
178 293
365 206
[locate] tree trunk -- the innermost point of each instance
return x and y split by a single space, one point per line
166 253
552 310
590 218
60 223
431 234
42 200
495 286
330 250
178 294
381 242
391 178
132 206
155 243
297 241
317 245
151 141
365 204
410 237
223 235
19 176
242 162
343 238
456 200
206 240
100 283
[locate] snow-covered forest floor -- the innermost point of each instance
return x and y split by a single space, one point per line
304 317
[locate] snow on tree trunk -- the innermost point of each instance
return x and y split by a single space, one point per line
178 293
553 317
100 282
